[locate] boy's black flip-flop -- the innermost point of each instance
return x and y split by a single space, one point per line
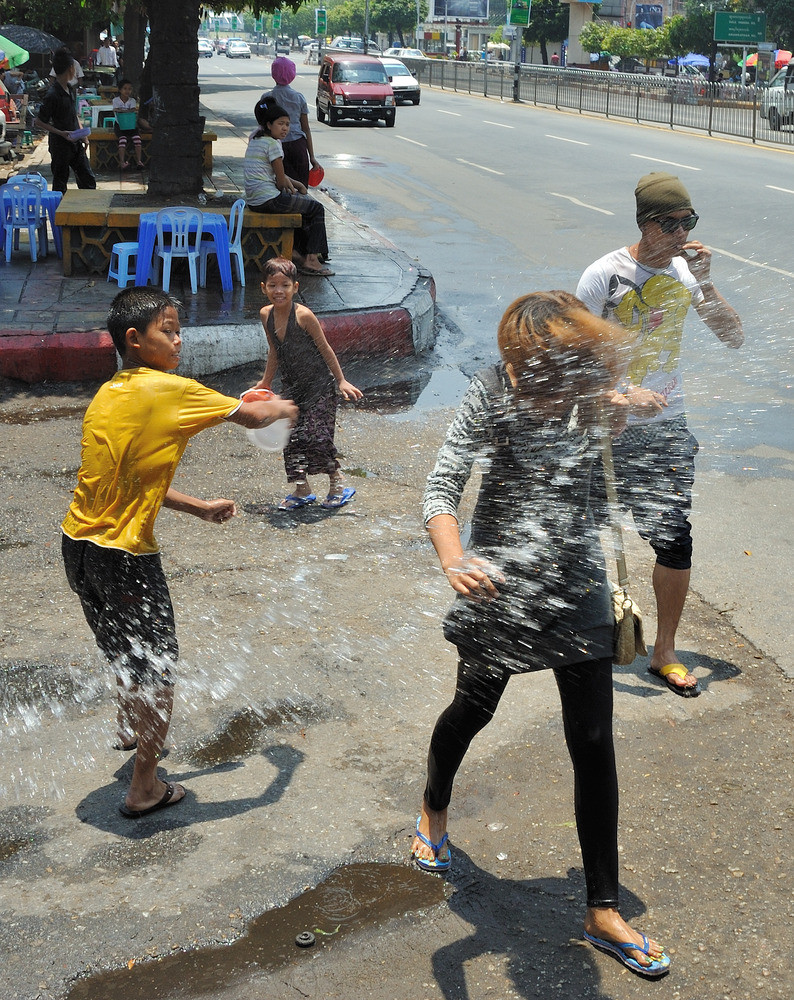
166 800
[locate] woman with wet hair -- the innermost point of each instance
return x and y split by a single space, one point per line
532 593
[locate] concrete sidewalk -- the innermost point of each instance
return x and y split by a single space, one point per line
53 328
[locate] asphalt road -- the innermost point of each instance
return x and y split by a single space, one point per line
312 670
496 199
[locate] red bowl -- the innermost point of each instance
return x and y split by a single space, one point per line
257 395
316 175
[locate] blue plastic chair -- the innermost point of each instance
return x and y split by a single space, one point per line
33 178
178 235
235 244
120 270
22 208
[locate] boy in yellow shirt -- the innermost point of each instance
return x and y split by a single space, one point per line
134 433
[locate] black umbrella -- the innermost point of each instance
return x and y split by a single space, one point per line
31 39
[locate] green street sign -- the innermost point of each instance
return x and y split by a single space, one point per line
519 13
259 24
739 29
276 20
320 21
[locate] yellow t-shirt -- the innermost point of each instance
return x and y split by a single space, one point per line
134 433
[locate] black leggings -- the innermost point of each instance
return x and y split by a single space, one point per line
586 696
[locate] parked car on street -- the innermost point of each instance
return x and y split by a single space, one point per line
205 48
777 99
403 82
405 53
350 43
238 49
353 86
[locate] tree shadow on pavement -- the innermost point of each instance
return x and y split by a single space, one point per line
528 930
100 808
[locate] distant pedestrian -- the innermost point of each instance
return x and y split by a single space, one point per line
311 376
298 146
648 287
58 116
268 188
532 593
134 433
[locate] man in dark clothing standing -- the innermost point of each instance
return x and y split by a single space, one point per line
58 116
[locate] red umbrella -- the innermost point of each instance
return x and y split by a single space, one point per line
782 58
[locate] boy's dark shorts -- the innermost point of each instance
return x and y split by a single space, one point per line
655 473
126 602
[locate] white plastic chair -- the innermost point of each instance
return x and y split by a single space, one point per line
235 244
177 237
33 178
24 212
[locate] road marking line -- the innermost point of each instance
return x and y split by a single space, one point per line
784 190
500 124
670 163
753 263
593 208
453 113
563 139
479 167
414 141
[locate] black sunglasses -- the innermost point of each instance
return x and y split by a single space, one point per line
668 223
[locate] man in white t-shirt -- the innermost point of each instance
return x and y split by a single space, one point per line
648 288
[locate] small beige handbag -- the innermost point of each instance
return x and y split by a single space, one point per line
628 641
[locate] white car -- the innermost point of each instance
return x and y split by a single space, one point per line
405 53
403 82
206 48
349 43
236 48
777 99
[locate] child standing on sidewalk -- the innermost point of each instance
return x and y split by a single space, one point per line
297 348
134 433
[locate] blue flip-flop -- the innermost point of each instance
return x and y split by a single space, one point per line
437 864
292 502
656 967
334 500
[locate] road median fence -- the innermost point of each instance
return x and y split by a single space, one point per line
676 102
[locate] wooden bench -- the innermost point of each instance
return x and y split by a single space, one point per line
103 150
91 224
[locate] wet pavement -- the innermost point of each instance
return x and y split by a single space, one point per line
312 670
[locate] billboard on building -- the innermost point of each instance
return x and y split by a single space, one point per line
648 15
459 10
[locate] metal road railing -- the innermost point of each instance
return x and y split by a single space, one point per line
675 102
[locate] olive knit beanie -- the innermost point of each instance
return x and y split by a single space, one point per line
658 194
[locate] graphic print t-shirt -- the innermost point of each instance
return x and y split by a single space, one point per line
652 303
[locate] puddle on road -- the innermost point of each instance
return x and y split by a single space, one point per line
351 898
33 416
243 733
11 846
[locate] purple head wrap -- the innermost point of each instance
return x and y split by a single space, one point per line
283 71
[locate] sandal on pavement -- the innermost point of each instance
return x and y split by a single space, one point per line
656 967
436 864
680 671
167 800
338 499
292 502
320 272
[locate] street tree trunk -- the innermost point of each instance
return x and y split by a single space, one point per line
176 152
135 21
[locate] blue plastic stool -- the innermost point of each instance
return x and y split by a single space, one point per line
122 254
